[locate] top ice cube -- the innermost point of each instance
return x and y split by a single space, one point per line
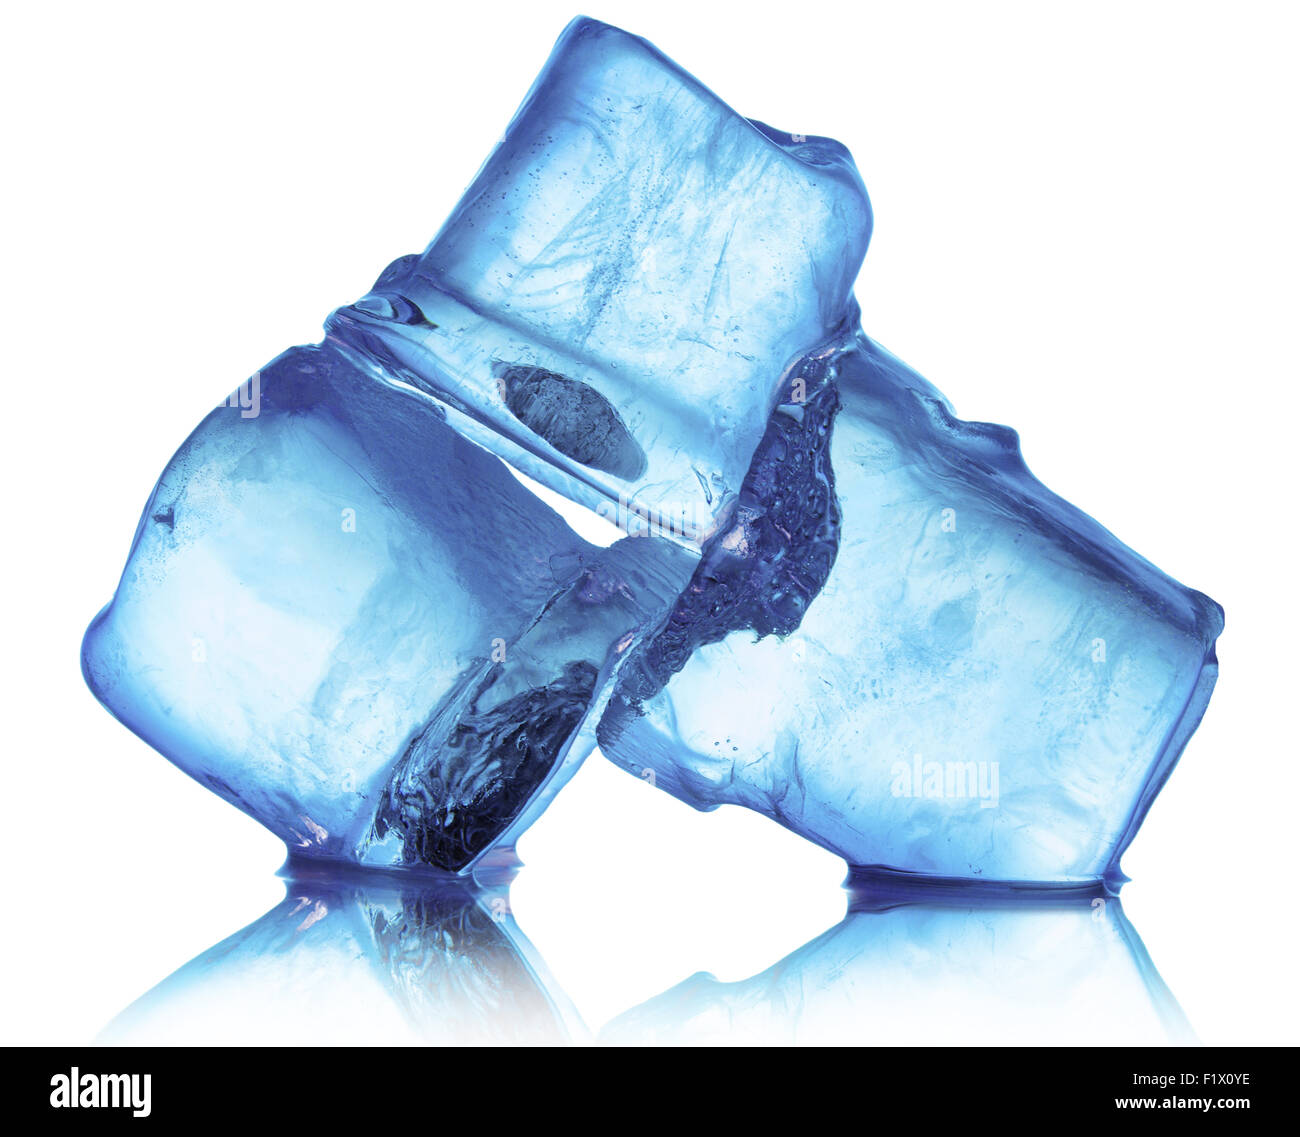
615 299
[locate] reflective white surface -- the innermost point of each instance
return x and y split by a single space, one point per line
383 961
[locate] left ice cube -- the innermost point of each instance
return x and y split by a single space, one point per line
360 628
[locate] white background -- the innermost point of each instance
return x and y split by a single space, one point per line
1086 227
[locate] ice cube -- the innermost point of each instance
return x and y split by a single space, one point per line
911 652
613 303
359 627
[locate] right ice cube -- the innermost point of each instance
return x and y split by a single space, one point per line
908 650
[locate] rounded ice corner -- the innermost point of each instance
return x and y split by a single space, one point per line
828 157
90 653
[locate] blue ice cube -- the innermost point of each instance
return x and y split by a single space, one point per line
359 627
908 650
613 303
